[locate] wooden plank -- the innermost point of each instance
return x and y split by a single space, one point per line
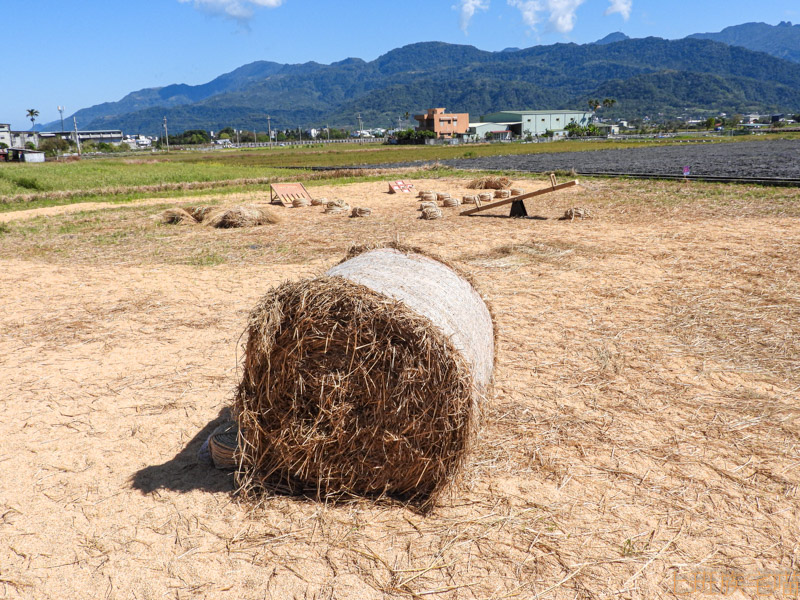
286 192
505 201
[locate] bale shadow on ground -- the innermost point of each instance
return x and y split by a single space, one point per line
184 472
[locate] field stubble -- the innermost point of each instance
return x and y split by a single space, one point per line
644 421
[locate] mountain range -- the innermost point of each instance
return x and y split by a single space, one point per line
695 75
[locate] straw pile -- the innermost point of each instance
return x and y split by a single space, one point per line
490 182
431 213
199 212
240 216
360 212
336 207
576 213
485 197
366 381
469 199
502 194
177 216
319 201
301 202
450 202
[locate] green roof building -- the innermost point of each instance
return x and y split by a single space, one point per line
538 122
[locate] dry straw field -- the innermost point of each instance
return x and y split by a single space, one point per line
643 426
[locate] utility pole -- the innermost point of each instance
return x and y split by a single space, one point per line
360 129
328 129
61 110
255 138
269 130
166 132
237 138
77 137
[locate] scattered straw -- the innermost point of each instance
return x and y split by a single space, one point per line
336 207
361 212
177 216
489 182
240 216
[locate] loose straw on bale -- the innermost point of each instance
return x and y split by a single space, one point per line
431 213
336 207
366 381
240 216
177 216
490 182
361 212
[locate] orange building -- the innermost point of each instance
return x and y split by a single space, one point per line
443 125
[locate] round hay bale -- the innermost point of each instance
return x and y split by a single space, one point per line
336 207
471 199
424 192
577 212
486 196
451 202
429 196
517 191
360 212
442 196
301 202
177 216
425 205
319 201
502 194
431 213
240 216
366 381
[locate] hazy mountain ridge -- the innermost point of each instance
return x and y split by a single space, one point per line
643 75
781 41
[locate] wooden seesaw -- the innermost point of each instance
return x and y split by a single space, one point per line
516 202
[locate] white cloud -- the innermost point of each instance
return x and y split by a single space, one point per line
468 9
237 9
622 7
561 14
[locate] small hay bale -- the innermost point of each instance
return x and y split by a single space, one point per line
502 194
485 196
425 205
319 201
429 196
442 196
451 202
336 207
577 212
431 213
240 216
301 202
366 381
490 182
517 191
423 192
177 216
470 199
360 212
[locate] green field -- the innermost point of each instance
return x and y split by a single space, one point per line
121 179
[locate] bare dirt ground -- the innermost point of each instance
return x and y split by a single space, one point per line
643 427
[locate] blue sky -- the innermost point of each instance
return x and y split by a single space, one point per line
86 52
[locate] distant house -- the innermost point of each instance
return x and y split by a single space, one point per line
444 125
5 134
538 122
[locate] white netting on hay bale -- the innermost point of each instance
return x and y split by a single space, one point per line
368 380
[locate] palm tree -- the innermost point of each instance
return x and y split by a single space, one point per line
32 114
594 104
609 102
